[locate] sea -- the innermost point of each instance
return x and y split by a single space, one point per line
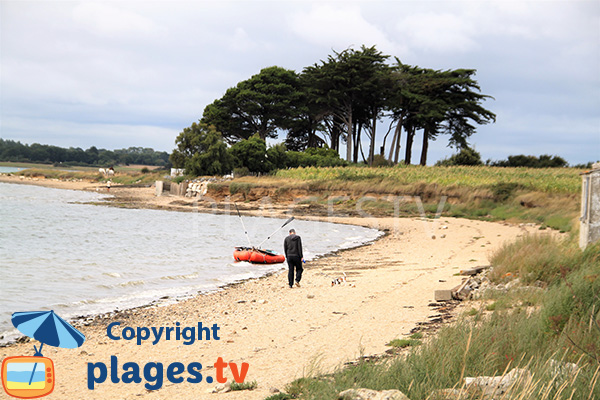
63 250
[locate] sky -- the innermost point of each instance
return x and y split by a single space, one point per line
115 74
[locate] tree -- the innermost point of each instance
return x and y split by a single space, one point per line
465 106
277 156
308 120
435 102
252 154
262 104
201 151
466 156
543 161
348 86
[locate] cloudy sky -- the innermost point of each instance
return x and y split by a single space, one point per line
115 74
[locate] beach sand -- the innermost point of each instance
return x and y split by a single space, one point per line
283 333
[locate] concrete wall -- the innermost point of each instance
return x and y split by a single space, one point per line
179 189
589 230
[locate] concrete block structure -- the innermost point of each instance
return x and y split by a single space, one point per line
589 228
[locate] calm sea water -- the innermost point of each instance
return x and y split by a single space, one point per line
9 170
56 252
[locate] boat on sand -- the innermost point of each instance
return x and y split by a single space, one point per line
257 256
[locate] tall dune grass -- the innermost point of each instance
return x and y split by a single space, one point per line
535 330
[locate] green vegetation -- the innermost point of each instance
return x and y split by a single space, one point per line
466 156
543 161
74 156
280 396
547 180
342 99
402 343
409 191
539 258
201 151
243 386
123 175
525 328
548 197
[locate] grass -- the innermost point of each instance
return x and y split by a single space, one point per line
127 175
498 181
243 386
548 197
525 328
402 343
535 258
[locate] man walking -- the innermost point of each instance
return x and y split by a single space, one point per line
292 246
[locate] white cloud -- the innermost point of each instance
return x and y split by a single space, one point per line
85 70
241 41
105 19
444 33
339 28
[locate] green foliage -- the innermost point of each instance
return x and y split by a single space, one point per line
238 187
578 294
243 386
533 258
145 170
503 190
380 161
201 151
277 156
240 172
550 180
42 153
252 154
466 156
543 161
262 104
279 396
315 157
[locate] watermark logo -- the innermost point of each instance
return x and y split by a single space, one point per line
29 377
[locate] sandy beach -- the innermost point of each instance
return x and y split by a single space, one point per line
283 333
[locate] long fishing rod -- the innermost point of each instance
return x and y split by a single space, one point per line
286 222
244 226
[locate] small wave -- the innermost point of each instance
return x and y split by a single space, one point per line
132 283
112 274
180 277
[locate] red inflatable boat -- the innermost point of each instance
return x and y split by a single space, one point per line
257 256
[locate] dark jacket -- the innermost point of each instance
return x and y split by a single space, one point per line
292 245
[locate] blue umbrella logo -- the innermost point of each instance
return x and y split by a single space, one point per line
48 328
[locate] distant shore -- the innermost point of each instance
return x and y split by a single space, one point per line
283 333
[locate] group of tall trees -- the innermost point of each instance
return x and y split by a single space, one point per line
11 150
340 101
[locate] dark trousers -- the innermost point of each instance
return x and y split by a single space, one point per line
294 262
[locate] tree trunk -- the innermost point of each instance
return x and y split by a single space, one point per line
398 141
363 154
349 137
372 144
410 135
393 144
357 135
425 146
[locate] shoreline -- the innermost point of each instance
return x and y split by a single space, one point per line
316 327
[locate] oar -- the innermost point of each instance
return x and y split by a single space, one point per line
285 223
244 226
